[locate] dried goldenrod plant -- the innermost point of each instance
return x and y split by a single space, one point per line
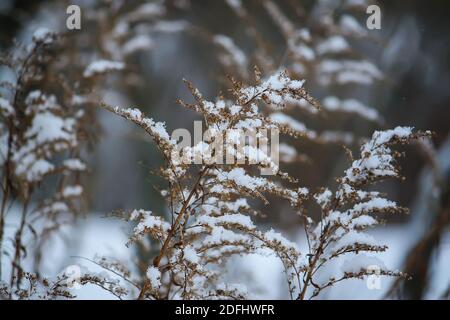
209 218
43 133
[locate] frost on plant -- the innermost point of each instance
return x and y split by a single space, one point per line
42 135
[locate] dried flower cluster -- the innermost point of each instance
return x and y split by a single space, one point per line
210 219
42 137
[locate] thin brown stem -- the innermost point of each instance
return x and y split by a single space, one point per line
173 230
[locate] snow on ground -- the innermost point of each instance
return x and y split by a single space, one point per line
262 274
100 237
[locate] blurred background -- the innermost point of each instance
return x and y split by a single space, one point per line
411 49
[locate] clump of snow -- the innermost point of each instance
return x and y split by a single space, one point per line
171 26
348 71
334 44
139 42
5 107
43 35
323 198
74 164
237 6
235 55
277 239
376 203
190 254
157 128
351 26
333 103
284 119
47 127
354 237
377 159
221 235
156 226
277 90
236 219
72 191
102 66
362 263
154 277
287 152
36 170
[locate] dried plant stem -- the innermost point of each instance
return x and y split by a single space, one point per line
18 246
172 231
311 268
2 220
6 190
